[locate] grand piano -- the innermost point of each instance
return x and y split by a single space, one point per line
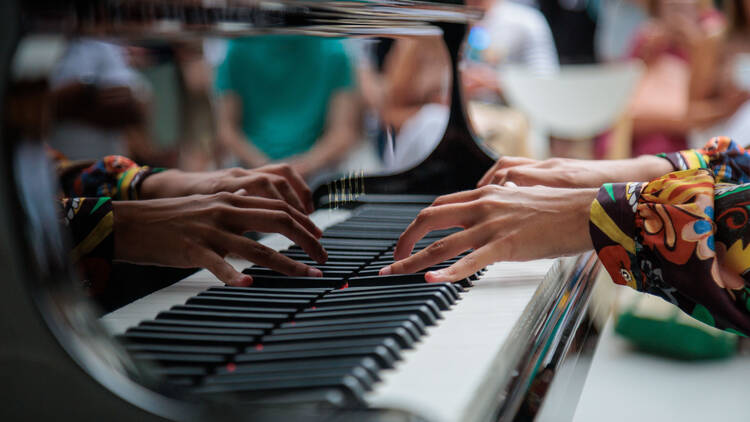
509 343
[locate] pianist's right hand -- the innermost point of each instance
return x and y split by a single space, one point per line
200 230
571 173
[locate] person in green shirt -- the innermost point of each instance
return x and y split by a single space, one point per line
287 97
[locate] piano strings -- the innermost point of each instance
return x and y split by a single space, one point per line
346 189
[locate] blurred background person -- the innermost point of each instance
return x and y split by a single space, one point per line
290 98
98 98
509 34
682 89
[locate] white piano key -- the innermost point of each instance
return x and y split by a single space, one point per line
441 378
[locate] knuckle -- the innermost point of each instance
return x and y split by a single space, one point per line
224 197
437 247
236 171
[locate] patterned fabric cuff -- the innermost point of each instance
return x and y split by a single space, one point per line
685 160
91 223
134 189
613 231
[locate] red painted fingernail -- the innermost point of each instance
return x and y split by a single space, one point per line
386 270
432 276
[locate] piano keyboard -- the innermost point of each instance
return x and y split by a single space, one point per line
349 338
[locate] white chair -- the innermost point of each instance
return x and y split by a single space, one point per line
579 102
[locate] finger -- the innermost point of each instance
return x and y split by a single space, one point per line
289 194
465 266
528 176
489 174
281 222
271 204
297 182
463 196
265 256
503 163
223 270
429 219
436 253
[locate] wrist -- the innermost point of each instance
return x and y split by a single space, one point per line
166 184
124 214
581 200
647 167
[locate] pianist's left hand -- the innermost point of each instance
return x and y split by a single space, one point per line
277 181
502 223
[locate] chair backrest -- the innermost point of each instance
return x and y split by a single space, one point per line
579 102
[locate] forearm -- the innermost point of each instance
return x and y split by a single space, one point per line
328 151
242 148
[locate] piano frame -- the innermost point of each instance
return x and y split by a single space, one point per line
55 350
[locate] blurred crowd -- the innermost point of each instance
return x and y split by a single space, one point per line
318 102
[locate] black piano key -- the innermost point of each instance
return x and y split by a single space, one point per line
349 253
221 316
198 330
359 299
181 338
181 371
423 312
417 278
333 247
338 272
261 296
401 336
380 354
432 308
214 299
180 358
326 344
308 291
181 348
217 324
331 322
448 288
353 243
367 363
263 392
292 281
334 257
361 236
415 331
228 308
361 374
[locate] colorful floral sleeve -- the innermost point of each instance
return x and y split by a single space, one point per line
682 237
89 189
113 176
729 162
91 222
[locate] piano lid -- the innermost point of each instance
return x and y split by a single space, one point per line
181 19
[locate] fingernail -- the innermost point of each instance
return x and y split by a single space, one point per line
314 272
433 276
244 281
386 270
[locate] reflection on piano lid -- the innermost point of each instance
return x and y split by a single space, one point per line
478 355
